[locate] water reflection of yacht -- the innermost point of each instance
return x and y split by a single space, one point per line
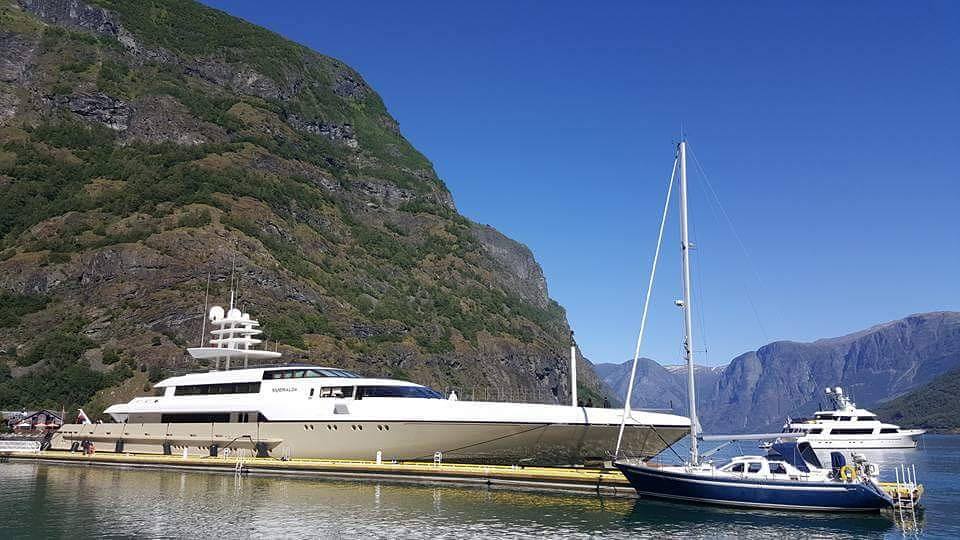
324 412
845 427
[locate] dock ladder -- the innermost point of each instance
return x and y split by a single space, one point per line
906 494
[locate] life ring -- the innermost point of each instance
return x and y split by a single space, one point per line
848 473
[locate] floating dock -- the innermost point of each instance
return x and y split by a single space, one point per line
583 480
607 482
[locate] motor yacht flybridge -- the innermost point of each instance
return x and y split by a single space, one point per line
306 411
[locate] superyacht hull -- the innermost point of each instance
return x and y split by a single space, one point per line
468 442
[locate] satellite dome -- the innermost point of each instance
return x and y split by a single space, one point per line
216 313
233 314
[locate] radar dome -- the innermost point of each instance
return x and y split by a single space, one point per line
216 313
233 314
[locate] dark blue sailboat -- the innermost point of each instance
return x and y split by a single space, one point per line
790 476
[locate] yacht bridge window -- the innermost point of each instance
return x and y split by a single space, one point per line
308 373
889 430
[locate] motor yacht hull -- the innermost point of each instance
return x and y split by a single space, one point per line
904 439
672 484
475 442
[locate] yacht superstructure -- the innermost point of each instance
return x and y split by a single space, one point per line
845 426
308 411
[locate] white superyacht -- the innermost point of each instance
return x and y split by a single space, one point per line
847 427
305 411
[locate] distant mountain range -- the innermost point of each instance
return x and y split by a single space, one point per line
758 389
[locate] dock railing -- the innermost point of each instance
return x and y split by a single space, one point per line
20 446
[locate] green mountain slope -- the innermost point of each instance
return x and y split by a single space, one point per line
934 406
147 144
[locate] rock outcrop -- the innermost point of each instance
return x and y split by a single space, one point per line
143 157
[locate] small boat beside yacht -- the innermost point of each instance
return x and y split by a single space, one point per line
789 476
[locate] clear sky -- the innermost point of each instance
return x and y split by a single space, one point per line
829 130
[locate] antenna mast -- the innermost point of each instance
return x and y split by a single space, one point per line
687 308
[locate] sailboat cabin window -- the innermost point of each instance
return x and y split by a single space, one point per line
777 468
754 468
737 468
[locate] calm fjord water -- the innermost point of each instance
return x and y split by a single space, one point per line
51 501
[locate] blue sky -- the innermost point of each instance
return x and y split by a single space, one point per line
829 130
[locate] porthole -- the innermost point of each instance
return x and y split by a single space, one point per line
386 427
379 427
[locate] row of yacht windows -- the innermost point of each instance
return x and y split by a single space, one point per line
844 431
223 388
360 392
845 418
308 373
356 392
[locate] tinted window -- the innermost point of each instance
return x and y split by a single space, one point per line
844 418
777 468
867 418
197 418
208 389
737 468
815 431
754 468
888 430
397 391
852 431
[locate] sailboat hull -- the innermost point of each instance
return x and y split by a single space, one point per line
662 483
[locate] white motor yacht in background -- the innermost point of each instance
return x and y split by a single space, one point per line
305 411
847 427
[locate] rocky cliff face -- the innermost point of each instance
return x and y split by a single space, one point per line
147 145
657 387
758 389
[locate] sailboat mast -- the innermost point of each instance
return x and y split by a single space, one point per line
688 307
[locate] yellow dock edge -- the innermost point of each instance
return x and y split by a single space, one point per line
608 482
